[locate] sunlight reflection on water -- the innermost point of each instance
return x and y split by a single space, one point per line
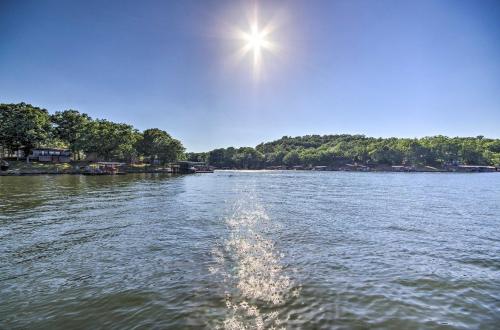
254 278
292 249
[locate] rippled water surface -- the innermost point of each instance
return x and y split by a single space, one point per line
256 250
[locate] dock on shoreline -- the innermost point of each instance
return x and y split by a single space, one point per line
22 168
163 170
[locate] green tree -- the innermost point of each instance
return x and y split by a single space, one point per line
70 126
341 149
23 126
216 158
247 158
158 144
109 141
197 156
292 158
471 153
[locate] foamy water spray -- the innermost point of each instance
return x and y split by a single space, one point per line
252 271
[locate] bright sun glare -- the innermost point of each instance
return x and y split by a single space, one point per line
255 41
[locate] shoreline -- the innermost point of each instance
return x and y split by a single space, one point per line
74 172
347 171
30 173
20 168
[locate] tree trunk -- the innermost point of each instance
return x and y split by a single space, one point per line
27 151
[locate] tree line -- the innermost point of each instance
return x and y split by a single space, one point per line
338 150
25 127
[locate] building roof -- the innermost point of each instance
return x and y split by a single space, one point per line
52 149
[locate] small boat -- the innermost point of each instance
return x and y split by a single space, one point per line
104 168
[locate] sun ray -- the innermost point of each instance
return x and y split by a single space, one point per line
256 41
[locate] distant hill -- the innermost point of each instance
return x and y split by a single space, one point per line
335 150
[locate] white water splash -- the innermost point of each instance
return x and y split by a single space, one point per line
252 271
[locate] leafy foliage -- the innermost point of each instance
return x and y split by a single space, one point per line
110 141
158 144
334 150
70 126
23 126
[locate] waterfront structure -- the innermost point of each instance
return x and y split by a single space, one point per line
52 155
403 168
100 168
476 168
357 167
187 167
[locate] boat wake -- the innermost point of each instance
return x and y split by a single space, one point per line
251 270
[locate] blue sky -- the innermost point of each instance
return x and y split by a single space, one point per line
373 67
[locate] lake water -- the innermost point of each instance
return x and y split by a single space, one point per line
294 250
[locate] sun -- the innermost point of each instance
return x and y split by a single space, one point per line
256 41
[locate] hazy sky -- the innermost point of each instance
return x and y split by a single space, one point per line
374 67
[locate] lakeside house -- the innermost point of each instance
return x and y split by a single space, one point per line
50 155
